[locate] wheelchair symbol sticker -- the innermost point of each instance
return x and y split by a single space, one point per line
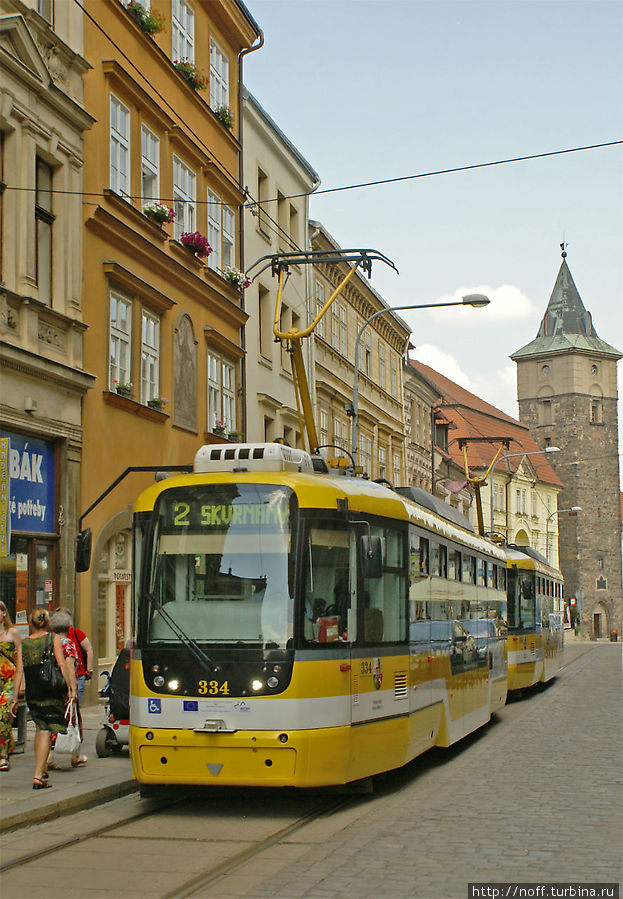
154 706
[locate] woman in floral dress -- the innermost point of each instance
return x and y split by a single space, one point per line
10 679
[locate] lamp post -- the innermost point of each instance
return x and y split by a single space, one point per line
548 449
477 300
573 509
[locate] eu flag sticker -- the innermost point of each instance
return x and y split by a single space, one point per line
191 705
154 706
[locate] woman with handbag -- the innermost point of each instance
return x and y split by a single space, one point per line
60 623
10 680
44 688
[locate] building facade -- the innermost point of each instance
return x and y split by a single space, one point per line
43 381
165 322
420 399
567 390
380 447
279 179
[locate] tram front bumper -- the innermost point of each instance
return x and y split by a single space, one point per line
244 758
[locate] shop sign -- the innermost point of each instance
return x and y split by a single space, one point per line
31 475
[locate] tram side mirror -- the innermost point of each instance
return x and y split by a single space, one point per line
83 550
371 556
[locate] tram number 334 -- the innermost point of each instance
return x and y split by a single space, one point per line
212 688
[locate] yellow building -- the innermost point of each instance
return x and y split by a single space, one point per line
381 436
164 324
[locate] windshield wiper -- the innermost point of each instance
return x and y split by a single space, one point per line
191 645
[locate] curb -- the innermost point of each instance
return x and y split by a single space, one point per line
68 806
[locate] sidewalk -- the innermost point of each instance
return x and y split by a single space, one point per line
74 789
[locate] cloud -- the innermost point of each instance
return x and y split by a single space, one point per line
444 363
508 303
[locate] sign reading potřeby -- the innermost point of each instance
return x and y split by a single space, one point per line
30 464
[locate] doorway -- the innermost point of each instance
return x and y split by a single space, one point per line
597 625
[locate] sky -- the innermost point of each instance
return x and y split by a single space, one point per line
378 89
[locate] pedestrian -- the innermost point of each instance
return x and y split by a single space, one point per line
84 668
10 680
46 707
60 623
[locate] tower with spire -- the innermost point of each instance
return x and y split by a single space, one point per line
567 392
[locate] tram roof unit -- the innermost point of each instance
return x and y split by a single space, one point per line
297 469
527 557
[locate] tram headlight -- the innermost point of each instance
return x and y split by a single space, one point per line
158 681
173 684
256 685
273 682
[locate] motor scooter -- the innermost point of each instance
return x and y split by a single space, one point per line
115 732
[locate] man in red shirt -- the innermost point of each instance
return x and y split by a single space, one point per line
84 668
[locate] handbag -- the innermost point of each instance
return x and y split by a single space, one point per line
49 672
69 743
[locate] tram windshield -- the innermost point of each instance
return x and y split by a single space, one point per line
219 570
521 600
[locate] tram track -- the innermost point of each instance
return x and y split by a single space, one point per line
87 835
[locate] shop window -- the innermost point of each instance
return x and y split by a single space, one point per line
113 597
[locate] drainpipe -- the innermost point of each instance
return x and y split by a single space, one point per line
243 341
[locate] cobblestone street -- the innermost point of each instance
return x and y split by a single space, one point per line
535 797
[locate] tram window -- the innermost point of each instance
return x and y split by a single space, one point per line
469 569
438 559
501 577
527 601
329 588
454 565
385 607
490 575
424 556
480 572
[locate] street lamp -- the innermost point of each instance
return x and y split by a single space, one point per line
477 300
548 449
553 514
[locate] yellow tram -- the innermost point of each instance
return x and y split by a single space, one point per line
535 625
299 627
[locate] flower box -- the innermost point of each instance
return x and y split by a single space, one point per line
159 213
148 20
196 243
237 278
191 73
225 115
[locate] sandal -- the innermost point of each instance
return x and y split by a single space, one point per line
77 763
39 784
4 765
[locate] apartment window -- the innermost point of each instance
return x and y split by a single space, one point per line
397 478
320 301
45 8
365 353
183 30
221 392
150 165
394 375
365 452
533 498
340 433
44 220
382 381
265 320
219 77
119 147
294 225
323 436
150 356
120 340
221 233
382 462
184 197
262 197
